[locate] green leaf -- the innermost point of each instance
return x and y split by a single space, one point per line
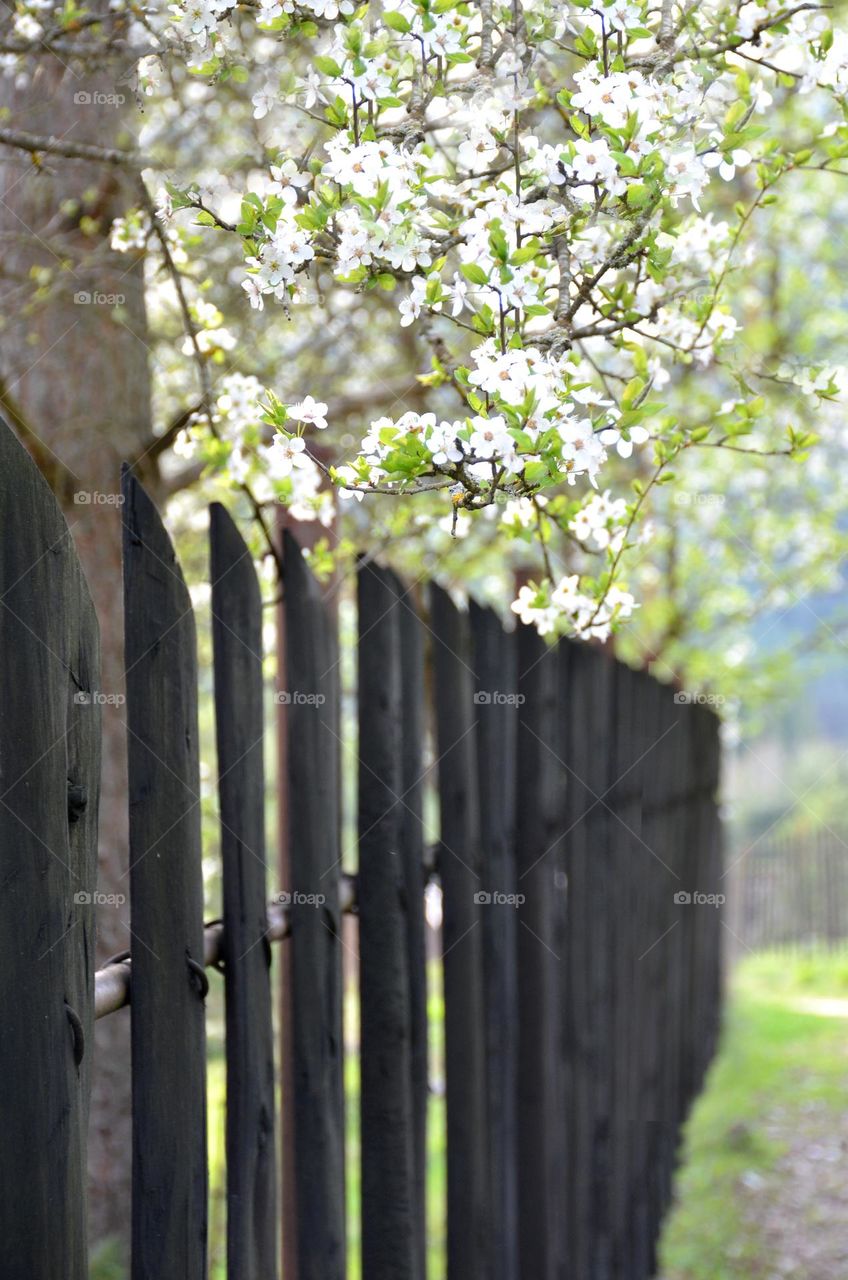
535 472
631 391
328 66
526 253
638 195
474 273
396 21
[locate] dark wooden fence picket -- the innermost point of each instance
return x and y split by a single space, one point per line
495 695
237 644
574 993
621 802
581 969
413 729
387 1158
647 874
655 958
541 791
316 928
460 873
169 1199
671 754
49 785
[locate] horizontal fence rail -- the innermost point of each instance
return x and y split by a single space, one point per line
573 845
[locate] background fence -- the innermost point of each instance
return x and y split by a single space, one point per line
577 850
789 891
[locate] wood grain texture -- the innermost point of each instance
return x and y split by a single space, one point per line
388 1185
539 832
460 871
577 1005
496 713
312 726
49 788
237 645
169 1225
413 731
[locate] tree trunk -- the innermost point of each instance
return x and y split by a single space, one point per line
74 382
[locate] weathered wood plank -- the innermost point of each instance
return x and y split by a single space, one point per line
539 832
646 871
169 1226
576 1006
311 717
237 645
459 864
388 1211
495 697
598 773
659 921
671 927
49 786
630 856
412 851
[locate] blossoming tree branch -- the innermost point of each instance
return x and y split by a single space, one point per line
527 183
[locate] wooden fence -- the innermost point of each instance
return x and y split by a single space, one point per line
578 846
789 892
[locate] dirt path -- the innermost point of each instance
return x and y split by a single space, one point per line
801 1205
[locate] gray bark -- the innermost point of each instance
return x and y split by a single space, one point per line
75 384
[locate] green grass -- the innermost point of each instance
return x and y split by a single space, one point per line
774 1055
216 1096
435 1137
